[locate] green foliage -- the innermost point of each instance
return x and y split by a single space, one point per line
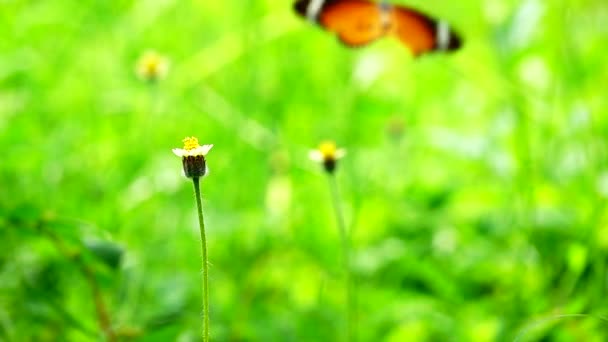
474 185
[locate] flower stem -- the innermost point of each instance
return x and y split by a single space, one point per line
346 254
103 318
201 221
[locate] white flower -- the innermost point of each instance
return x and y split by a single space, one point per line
152 66
327 154
193 157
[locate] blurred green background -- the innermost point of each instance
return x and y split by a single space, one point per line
475 183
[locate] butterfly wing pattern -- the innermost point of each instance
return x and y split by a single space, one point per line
360 22
356 22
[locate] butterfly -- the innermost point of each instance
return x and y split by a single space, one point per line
360 22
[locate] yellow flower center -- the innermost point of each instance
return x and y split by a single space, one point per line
328 149
151 66
190 143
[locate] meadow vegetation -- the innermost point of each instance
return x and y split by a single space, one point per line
473 189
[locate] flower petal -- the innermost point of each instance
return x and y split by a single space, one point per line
315 155
179 152
340 153
205 149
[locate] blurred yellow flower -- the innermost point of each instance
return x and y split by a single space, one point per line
193 157
328 154
152 66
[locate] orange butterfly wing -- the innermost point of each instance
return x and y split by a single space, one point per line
420 32
356 22
359 22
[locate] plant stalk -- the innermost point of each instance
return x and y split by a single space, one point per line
201 221
346 255
103 317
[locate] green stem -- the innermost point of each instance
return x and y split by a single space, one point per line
103 317
201 221
346 254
